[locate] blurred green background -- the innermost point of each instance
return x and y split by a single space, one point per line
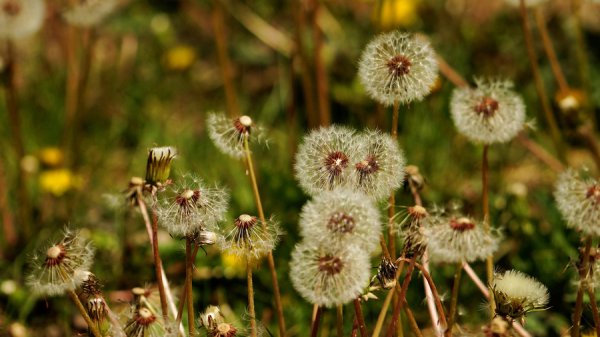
156 70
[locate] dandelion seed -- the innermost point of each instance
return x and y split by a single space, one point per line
324 159
90 13
158 165
456 239
380 169
61 267
229 134
398 67
491 113
20 18
341 217
329 275
190 207
516 294
250 238
578 200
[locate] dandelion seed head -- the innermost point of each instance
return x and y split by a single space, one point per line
516 294
329 275
412 230
398 67
341 217
250 238
228 134
452 239
158 165
61 267
90 13
380 166
490 113
578 200
20 18
324 158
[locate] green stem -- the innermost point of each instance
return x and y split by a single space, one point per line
339 321
158 265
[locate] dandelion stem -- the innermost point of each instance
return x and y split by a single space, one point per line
583 271
451 74
271 260
454 300
592 296
411 320
339 321
392 200
251 311
158 265
400 300
539 83
184 290
359 316
580 49
320 73
91 326
549 49
354 328
387 301
540 153
8 225
189 263
315 322
489 261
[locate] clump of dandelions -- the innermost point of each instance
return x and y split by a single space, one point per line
190 207
62 266
398 67
490 113
380 166
578 200
516 294
325 158
453 239
250 238
329 275
89 13
229 134
341 217
20 18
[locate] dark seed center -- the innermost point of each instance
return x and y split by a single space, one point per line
335 163
593 193
487 107
462 224
367 166
330 265
144 317
11 8
399 65
341 222
55 255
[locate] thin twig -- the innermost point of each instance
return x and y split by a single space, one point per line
387 301
540 153
320 72
411 320
158 265
361 320
91 326
271 260
401 296
184 291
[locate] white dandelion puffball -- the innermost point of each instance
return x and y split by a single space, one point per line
578 200
490 113
20 18
516 294
90 13
329 275
250 238
398 67
341 217
229 134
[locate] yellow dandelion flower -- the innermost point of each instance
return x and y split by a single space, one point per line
396 13
51 156
180 58
233 266
58 181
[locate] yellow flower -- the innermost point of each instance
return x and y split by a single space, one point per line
396 13
180 58
58 181
233 266
51 156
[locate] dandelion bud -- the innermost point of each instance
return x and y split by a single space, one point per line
414 175
341 217
251 238
20 18
412 229
325 159
61 267
158 165
491 113
329 275
229 134
457 239
89 13
398 67
516 294
386 274
578 200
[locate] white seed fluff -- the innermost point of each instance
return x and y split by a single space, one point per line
517 293
578 201
90 12
228 134
20 18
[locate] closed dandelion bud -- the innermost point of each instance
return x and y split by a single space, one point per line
190 207
91 288
62 266
325 158
341 218
386 274
458 239
490 113
329 275
20 18
229 134
516 294
398 67
158 165
380 165
578 200
412 231
89 13
414 176
250 238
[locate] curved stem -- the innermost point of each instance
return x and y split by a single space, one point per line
271 260
401 297
91 326
454 300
